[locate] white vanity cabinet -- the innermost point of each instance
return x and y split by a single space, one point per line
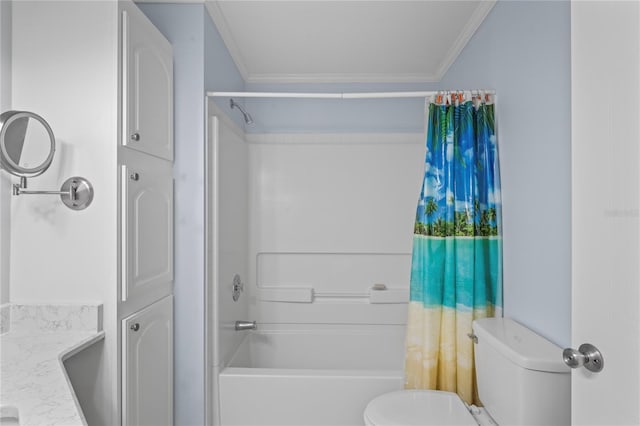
147 80
145 162
147 388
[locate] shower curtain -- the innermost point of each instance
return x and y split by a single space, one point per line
456 271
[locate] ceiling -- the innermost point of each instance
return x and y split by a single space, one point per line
354 41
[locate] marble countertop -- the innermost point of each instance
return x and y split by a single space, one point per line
32 349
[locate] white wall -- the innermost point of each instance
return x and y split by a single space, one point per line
71 81
335 213
5 185
65 68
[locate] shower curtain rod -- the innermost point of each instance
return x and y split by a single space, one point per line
361 95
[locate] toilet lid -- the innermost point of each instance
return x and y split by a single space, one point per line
418 408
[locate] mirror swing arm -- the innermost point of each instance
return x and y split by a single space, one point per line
76 192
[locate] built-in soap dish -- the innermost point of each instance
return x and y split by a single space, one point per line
380 293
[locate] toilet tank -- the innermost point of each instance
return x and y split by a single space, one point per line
522 379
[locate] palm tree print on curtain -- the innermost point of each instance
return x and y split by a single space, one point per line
456 271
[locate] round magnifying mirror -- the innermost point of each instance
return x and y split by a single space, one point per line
27 143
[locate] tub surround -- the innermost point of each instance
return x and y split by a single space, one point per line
344 367
35 341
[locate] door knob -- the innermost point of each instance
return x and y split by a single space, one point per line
587 355
135 327
135 137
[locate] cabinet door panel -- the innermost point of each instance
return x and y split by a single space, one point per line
147 392
148 87
147 229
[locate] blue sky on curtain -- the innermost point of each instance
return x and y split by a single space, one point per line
456 272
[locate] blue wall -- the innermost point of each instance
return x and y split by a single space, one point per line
221 73
523 50
201 63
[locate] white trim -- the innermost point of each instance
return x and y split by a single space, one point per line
481 12
5 181
335 138
257 78
211 134
223 28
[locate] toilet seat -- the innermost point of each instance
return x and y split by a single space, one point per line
418 408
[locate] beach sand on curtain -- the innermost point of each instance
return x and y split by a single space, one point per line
439 353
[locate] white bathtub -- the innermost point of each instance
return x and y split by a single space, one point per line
310 375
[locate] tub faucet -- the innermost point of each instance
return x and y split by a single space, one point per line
246 325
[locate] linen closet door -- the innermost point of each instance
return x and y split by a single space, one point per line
147 229
148 83
145 158
148 375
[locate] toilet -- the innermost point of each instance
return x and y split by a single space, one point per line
522 380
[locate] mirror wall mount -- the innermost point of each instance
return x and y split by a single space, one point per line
76 192
25 132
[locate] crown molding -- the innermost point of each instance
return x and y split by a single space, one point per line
223 28
341 78
481 12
